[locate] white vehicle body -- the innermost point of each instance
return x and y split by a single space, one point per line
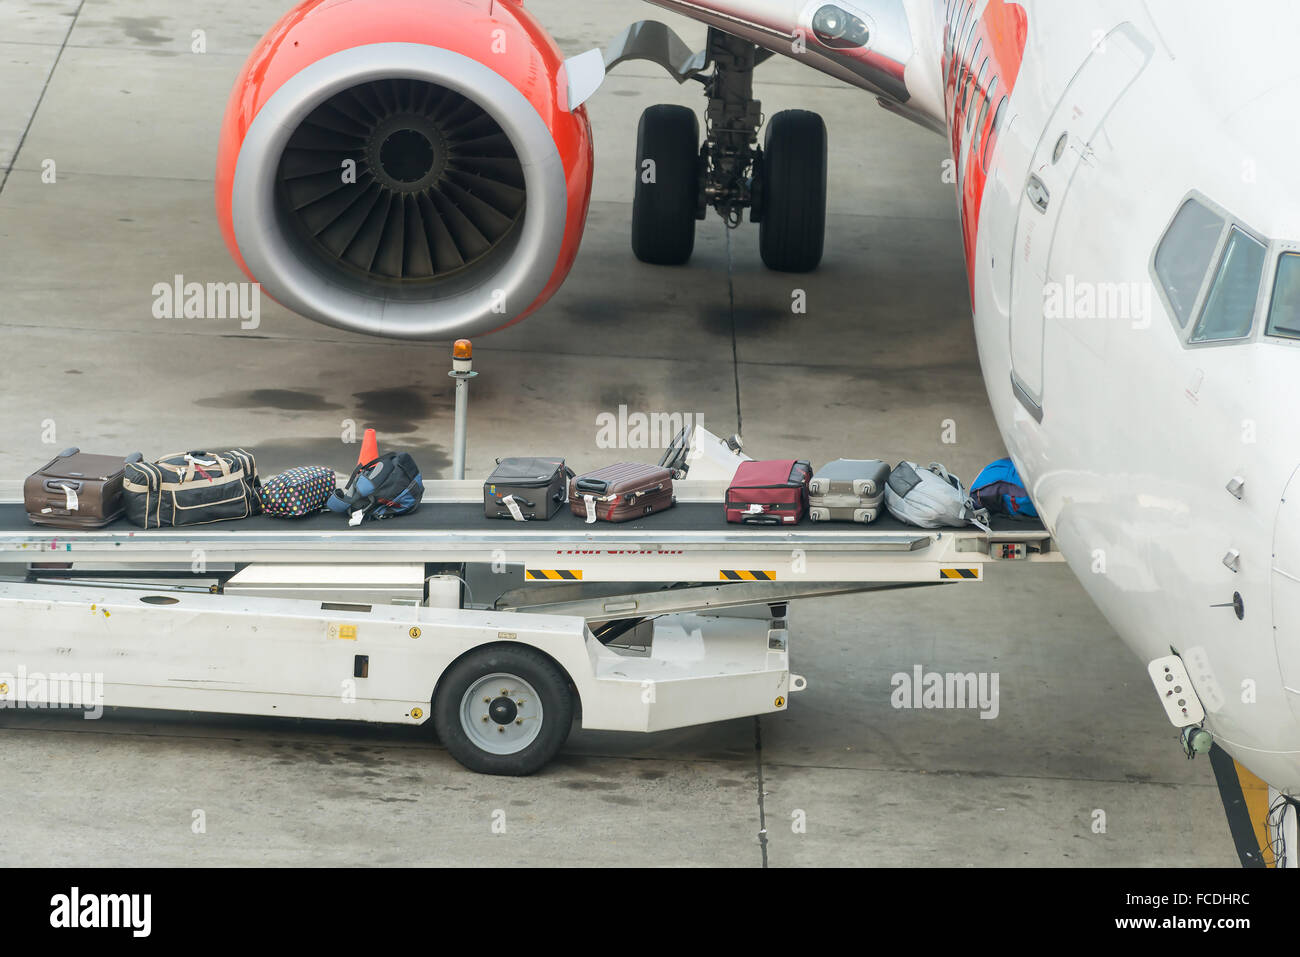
315 619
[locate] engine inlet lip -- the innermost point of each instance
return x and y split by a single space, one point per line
491 296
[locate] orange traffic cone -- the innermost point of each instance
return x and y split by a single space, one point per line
369 448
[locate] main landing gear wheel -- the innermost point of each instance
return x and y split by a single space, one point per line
666 201
792 227
506 709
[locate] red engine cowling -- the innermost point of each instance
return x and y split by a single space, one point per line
405 168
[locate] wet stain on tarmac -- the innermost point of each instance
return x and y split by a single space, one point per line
619 799
652 775
358 755
631 396
397 410
142 29
748 322
604 312
278 400
592 786
725 755
275 455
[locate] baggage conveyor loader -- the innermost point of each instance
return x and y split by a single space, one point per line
498 632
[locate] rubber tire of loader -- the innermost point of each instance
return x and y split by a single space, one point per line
547 679
792 229
664 211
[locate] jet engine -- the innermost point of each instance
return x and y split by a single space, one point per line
406 168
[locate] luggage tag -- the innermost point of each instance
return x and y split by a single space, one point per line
755 509
357 518
591 508
515 512
73 503
200 465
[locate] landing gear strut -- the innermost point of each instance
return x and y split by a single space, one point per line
782 183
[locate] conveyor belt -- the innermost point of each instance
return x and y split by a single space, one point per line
460 518
690 542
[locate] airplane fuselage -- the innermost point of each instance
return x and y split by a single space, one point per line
1159 453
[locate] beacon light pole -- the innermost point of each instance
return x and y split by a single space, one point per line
462 363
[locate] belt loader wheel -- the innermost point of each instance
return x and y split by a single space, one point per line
792 226
665 204
505 709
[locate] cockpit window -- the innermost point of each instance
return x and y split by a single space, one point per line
1229 310
1184 256
1284 314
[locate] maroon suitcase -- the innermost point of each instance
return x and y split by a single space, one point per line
769 493
621 492
77 490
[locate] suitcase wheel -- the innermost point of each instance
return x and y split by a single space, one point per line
68 453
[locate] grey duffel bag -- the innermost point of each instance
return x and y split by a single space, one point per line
931 497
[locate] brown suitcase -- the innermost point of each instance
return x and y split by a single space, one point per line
622 492
77 490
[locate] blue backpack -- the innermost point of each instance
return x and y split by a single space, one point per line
999 489
388 486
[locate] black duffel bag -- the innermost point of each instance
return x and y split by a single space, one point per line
191 488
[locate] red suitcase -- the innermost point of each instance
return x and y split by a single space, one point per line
769 493
619 493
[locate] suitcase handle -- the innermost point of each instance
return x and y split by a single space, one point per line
68 453
134 457
521 501
760 520
56 485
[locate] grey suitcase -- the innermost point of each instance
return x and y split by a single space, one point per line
850 513
858 478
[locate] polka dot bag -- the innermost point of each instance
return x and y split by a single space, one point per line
297 491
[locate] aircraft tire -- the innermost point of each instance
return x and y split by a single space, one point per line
792 227
666 199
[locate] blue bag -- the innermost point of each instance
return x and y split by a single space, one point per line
999 489
390 485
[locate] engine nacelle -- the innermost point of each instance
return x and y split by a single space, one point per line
405 168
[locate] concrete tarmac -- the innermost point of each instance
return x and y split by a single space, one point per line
1080 767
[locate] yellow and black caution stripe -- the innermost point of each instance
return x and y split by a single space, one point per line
553 574
746 575
1245 799
971 574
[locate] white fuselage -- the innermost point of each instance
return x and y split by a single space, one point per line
1140 434
1127 436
